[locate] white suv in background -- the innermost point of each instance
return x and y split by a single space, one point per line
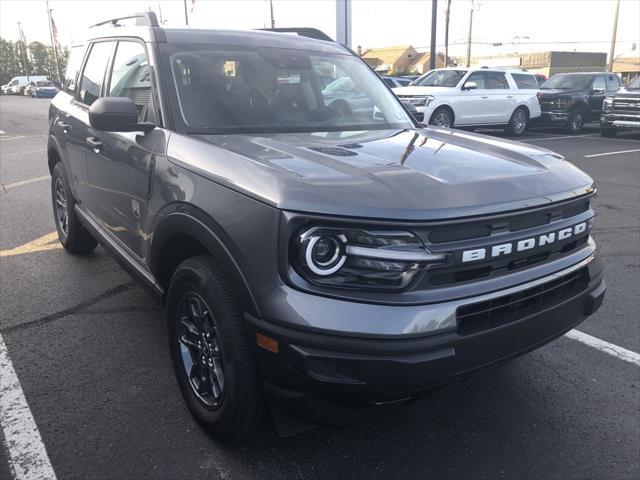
464 97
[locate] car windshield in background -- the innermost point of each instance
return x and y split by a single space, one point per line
635 84
45 84
272 90
568 82
440 78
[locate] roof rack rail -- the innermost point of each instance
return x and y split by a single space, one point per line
148 19
303 32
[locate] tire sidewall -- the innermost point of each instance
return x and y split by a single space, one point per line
191 279
512 122
438 111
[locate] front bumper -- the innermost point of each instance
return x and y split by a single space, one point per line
620 120
553 117
385 368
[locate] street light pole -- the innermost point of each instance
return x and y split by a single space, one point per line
23 40
186 15
434 21
273 19
468 64
54 46
446 34
613 36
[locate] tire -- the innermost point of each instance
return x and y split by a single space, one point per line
228 403
518 122
74 237
608 132
576 121
442 117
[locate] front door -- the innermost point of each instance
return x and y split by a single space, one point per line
596 96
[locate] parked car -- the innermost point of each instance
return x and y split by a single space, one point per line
621 111
540 78
463 97
569 100
393 82
42 89
16 84
305 253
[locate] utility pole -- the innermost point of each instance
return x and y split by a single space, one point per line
446 34
273 19
186 15
54 43
343 22
24 51
434 22
469 36
613 36
160 13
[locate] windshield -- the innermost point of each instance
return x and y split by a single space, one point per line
232 89
635 84
440 78
45 84
568 82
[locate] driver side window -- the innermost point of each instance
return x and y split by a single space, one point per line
598 83
477 77
130 77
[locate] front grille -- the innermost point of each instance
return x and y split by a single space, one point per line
631 105
499 311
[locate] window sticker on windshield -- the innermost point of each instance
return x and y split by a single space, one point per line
289 79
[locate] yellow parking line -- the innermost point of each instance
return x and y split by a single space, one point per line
9 186
46 242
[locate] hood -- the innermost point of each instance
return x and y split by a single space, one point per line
419 174
624 93
416 90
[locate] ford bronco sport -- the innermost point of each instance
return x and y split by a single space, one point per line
310 250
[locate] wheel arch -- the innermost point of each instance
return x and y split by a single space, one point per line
445 106
53 153
185 232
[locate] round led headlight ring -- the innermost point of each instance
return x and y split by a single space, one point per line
324 255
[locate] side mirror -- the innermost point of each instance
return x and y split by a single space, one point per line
116 114
597 91
470 86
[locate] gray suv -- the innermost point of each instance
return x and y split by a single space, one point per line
310 250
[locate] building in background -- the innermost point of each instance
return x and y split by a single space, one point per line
403 59
627 66
548 63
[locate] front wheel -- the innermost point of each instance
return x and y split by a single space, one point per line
211 351
517 123
75 238
576 121
442 117
607 132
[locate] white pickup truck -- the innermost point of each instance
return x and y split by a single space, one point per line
467 97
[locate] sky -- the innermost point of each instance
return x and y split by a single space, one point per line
582 25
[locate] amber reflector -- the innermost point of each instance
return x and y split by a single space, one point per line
267 343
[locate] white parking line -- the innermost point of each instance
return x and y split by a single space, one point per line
28 457
606 347
612 153
9 186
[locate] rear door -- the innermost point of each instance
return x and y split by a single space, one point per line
120 168
89 88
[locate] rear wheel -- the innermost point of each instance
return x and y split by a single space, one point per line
518 122
576 121
75 238
607 132
211 351
442 117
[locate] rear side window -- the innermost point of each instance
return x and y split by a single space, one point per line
73 67
93 73
613 83
524 81
130 76
495 81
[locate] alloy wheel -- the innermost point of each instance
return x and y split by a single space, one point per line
519 122
201 350
62 215
442 119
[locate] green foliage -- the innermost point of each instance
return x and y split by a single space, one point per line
37 59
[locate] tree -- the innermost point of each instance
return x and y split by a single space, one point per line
38 56
41 59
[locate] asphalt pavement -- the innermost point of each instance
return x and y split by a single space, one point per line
89 348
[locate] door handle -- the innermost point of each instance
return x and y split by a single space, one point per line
95 143
509 96
65 127
485 96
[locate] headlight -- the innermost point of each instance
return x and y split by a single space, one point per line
421 101
355 258
562 102
608 103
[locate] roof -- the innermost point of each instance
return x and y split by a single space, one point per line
389 55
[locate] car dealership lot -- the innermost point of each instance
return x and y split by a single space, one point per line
89 348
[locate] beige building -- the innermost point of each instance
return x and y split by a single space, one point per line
548 63
403 58
627 65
